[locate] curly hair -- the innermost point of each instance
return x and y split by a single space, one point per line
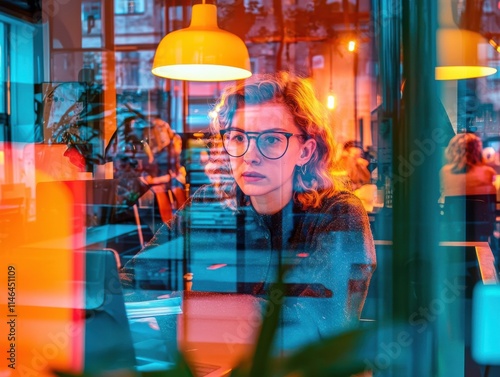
311 183
463 152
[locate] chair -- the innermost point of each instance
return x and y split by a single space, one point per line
469 217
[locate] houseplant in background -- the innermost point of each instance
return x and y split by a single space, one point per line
72 115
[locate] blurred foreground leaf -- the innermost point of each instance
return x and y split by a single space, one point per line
261 361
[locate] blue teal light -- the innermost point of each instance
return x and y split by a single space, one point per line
485 324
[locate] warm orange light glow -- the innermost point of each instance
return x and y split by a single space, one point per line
44 324
330 102
351 46
2 157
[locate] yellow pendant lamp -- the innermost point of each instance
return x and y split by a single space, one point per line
202 52
461 54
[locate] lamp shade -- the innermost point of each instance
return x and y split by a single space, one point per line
461 54
202 52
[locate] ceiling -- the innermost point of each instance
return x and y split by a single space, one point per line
314 21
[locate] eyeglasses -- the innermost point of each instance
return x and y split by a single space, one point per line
271 144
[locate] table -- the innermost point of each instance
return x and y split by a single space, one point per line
485 258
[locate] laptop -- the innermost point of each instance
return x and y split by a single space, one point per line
108 341
214 331
218 329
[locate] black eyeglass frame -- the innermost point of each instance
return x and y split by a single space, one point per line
256 136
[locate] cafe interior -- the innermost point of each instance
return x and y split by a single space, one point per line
105 112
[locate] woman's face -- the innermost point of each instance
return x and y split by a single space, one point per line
268 182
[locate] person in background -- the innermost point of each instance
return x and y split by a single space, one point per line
273 166
168 179
468 193
491 158
354 168
354 165
465 172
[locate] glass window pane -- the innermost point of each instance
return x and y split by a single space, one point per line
121 150
129 6
92 32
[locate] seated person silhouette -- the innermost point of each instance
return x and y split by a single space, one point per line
467 189
354 165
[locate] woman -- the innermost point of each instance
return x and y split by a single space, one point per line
467 190
465 172
273 185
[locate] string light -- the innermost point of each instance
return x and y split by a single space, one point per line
330 102
351 45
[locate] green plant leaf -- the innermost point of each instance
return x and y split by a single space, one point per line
261 360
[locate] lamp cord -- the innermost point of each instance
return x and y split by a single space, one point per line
331 68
